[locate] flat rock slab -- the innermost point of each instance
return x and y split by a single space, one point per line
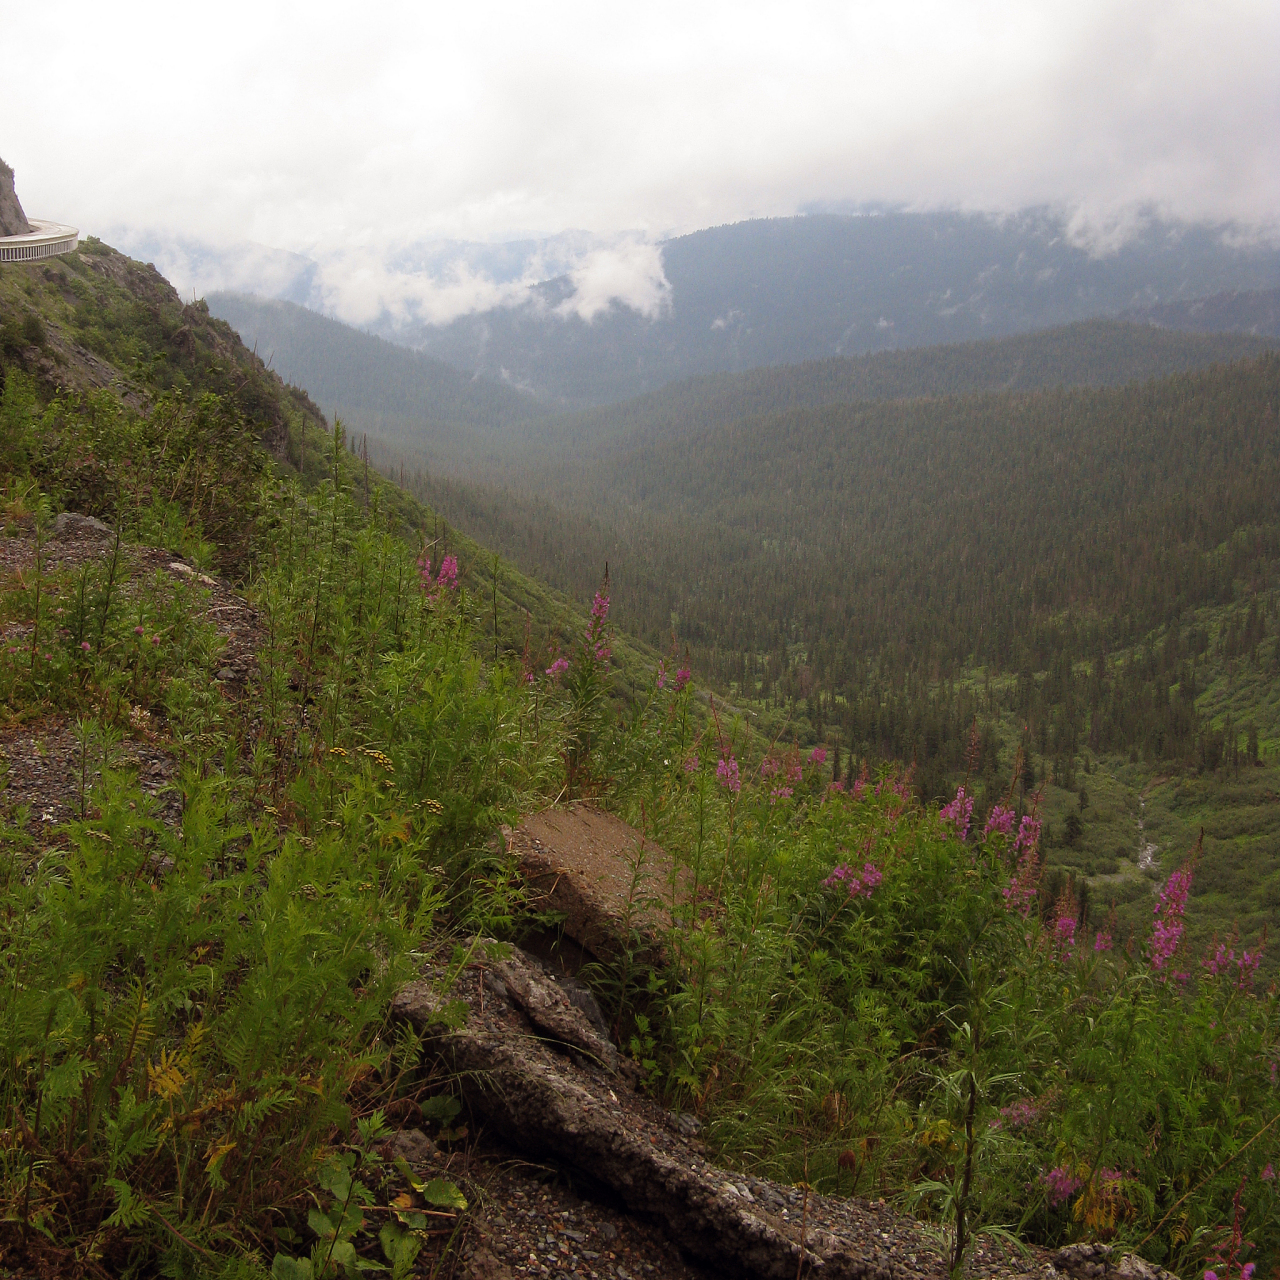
603 876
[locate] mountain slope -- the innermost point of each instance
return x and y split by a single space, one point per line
349 371
1255 311
1090 353
97 321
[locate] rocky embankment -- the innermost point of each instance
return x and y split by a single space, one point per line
529 1051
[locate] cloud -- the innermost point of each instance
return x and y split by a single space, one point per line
491 121
628 273
424 283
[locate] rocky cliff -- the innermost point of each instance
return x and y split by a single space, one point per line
13 222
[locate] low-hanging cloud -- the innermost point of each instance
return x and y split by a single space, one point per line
629 273
364 285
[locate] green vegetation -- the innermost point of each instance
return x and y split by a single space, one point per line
867 1002
863 992
1089 572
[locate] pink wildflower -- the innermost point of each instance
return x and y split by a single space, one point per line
779 793
1166 936
958 813
448 575
818 755
836 786
857 885
662 674
1021 1113
558 668
691 765
1224 959
139 631
1268 1174
682 678
1000 822
85 645
727 772
1028 833
795 773
1060 1185
1102 941
1021 890
596 638
768 767
1064 936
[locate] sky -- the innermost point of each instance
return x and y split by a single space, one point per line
351 134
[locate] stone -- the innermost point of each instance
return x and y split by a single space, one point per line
414 1146
507 1060
71 524
551 1009
611 885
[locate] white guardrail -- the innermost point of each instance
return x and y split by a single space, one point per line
44 240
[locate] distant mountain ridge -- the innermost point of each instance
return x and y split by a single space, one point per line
459 423
1254 311
787 290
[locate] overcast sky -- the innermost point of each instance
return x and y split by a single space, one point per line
312 127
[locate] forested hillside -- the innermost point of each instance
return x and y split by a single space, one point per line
1255 311
1090 573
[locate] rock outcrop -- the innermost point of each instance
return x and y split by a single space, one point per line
13 222
611 886
526 1049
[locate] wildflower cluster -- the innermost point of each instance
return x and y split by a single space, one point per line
859 884
1020 1114
1240 969
1064 937
1000 821
727 773
596 638
1060 1184
959 813
444 580
1166 937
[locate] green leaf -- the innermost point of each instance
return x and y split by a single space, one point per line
321 1224
441 1109
344 1254
443 1195
283 1268
400 1249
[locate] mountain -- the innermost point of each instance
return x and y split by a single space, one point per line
1255 311
789 290
13 222
1089 353
375 386
466 424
